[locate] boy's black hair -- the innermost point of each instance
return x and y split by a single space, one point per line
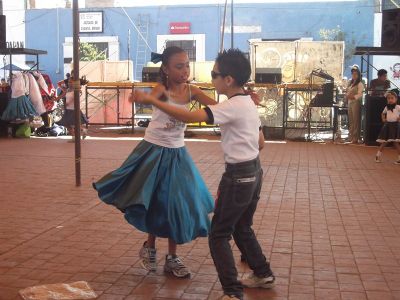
234 63
382 72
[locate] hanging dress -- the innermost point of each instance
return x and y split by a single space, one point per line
20 107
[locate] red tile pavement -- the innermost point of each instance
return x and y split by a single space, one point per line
328 218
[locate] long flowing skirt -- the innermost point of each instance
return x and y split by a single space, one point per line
161 192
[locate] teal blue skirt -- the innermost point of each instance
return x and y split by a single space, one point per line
161 192
17 109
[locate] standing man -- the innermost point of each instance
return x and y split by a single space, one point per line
380 85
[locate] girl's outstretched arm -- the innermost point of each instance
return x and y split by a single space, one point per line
201 97
177 112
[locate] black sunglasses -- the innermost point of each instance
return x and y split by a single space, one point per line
214 74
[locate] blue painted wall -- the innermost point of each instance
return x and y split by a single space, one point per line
278 21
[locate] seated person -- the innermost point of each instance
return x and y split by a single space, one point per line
380 85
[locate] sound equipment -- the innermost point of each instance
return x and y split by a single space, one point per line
268 75
391 28
324 98
3 43
373 121
151 74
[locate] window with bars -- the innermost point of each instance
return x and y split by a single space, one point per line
188 45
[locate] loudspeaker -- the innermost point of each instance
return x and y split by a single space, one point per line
373 121
391 28
268 75
3 43
151 74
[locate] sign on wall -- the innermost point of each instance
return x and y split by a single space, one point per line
90 21
179 27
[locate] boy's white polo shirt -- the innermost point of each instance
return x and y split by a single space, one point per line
239 122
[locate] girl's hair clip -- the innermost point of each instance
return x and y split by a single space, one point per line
156 57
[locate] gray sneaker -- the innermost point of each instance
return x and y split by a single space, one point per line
175 266
148 257
254 281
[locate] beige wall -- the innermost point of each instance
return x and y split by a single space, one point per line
99 3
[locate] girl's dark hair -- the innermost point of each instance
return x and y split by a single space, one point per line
358 80
234 63
166 56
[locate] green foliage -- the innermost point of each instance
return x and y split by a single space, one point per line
334 34
89 52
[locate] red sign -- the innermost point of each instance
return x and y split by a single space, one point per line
179 27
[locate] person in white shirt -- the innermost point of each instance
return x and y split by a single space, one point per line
68 118
240 186
390 131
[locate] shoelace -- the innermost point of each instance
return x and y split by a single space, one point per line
178 262
152 256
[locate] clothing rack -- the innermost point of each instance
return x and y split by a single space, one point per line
21 51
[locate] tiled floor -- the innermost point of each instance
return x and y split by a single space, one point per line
328 219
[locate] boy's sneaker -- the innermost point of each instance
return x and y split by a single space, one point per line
397 162
84 133
254 281
148 257
229 297
378 159
175 266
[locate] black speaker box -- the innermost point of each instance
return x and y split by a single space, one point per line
151 74
268 75
324 99
3 43
391 28
373 121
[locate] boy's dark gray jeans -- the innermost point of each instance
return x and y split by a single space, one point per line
239 192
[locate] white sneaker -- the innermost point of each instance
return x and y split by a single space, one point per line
397 162
175 266
148 257
84 133
254 281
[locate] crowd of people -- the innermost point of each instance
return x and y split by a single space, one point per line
160 190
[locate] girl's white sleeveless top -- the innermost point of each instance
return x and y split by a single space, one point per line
165 130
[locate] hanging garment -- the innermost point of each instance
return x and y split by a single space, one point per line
20 107
35 96
47 93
